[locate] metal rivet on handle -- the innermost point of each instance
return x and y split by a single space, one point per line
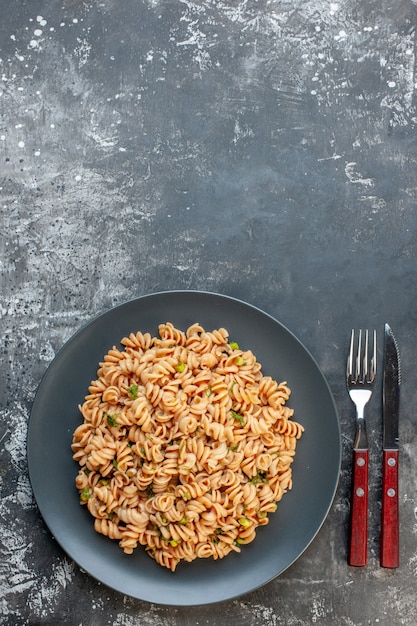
391 493
360 492
360 462
391 462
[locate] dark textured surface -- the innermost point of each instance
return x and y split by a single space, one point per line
264 150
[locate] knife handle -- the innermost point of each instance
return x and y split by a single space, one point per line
358 545
390 531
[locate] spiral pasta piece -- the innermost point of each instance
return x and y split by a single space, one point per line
108 528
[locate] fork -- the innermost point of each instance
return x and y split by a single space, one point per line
360 376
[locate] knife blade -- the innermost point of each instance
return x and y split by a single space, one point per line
389 549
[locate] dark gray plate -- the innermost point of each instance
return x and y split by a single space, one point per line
301 512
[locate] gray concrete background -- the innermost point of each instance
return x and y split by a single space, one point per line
261 149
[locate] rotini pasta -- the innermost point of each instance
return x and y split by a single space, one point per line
186 446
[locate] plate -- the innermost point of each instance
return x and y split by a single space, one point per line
301 512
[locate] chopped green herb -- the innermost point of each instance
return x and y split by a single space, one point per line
243 521
234 448
238 417
238 542
115 464
259 478
104 481
149 490
233 383
262 514
186 495
112 421
180 367
133 391
239 361
174 543
85 494
234 345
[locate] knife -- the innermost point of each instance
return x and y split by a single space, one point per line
389 549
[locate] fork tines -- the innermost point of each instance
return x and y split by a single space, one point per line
361 369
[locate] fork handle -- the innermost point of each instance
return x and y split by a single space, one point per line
390 551
358 545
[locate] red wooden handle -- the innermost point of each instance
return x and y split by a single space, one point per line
358 546
390 526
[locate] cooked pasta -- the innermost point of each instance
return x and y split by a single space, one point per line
186 446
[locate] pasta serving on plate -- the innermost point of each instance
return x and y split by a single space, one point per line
185 447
